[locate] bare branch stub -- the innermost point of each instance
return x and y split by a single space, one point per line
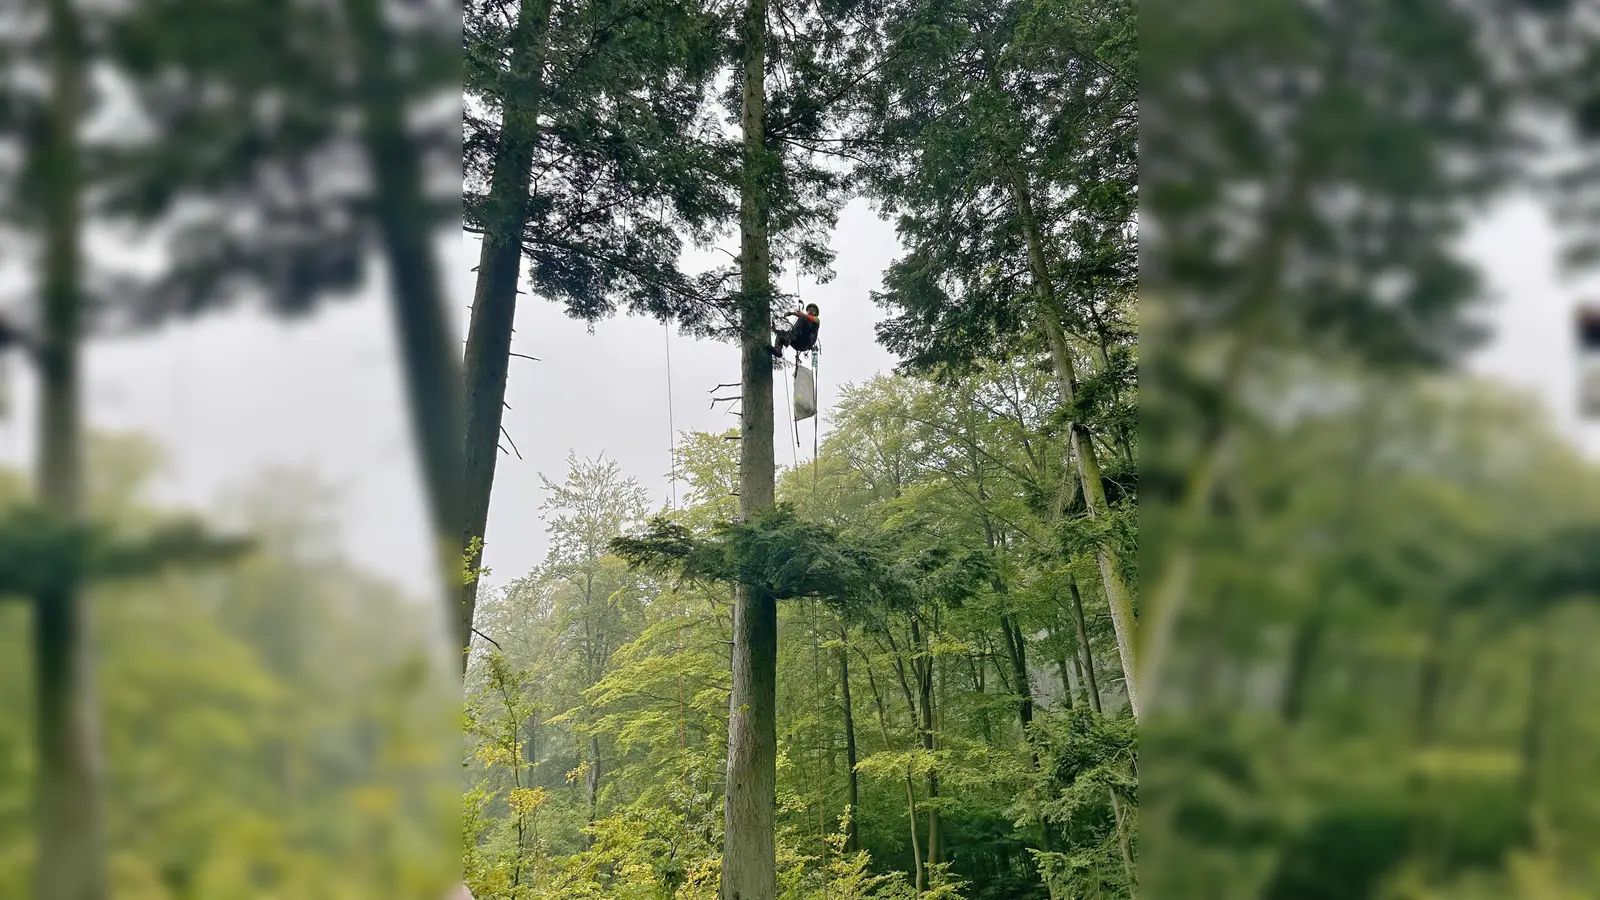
510 441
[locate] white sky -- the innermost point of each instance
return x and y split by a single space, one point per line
232 395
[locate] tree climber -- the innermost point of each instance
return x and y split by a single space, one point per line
802 336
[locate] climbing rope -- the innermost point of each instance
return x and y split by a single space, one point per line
816 418
672 429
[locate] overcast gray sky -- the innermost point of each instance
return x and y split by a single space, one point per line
233 395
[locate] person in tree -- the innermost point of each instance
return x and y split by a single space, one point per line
802 335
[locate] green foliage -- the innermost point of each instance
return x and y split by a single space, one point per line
789 558
925 532
271 723
40 552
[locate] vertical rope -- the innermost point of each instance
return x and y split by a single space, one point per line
816 420
822 751
794 455
683 729
672 428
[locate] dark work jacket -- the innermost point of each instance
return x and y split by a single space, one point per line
805 332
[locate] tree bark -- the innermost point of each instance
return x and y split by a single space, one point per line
749 862
593 780
1302 658
494 301
925 696
1533 728
70 862
911 792
1082 449
416 294
852 839
919 704
1059 646
1427 829
1017 651
1083 642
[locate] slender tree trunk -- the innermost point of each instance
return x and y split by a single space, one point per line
919 704
427 345
1017 651
593 781
1302 658
749 862
70 861
911 792
1082 449
1068 683
533 740
1533 728
1425 723
1103 339
494 301
1083 642
926 696
852 839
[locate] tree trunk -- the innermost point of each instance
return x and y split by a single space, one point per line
911 792
852 838
1017 649
1082 448
1083 642
432 377
749 862
1302 657
935 847
1018 653
1533 728
593 781
1427 829
70 861
494 301
1059 645
923 669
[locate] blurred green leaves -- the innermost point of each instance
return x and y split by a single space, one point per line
40 552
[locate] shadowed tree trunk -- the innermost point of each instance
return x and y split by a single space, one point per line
924 673
1533 728
911 791
852 839
416 293
70 863
1302 658
1083 642
749 863
494 300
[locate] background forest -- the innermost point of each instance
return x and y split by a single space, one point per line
1344 590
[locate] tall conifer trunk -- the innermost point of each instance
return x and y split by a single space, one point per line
749 865
70 863
494 299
